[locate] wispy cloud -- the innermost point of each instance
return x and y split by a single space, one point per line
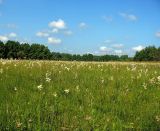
42 34
117 45
108 18
130 17
68 32
118 52
82 25
54 30
158 34
9 26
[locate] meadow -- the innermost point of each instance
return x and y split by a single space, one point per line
79 96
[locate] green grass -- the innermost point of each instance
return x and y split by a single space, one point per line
47 95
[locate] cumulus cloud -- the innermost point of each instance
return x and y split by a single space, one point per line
12 35
42 34
3 38
59 24
104 49
138 48
53 40
82 25
158 34
129 17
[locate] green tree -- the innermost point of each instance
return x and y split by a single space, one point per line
2 49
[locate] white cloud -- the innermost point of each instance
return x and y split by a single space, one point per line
108 41
13 26
129 17
55 30
119 52
59 24
117 45
53 40
3 38
104 49
158 34
82 25
42 34
68 32
12 35
138 48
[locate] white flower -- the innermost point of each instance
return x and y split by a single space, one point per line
40 87
145 86
55 94
157 118
158 78
48 79
102 81
67 68
15 88
66 91
77 87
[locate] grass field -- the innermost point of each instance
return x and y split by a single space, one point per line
48 95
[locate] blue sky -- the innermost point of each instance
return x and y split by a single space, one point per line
83 26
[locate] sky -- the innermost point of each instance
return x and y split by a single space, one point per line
82 26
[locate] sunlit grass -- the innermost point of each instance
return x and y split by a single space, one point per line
47 95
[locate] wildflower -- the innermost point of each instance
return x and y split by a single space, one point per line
158 118
40 87
15 88
88 118
55 94
102 81
18 124
77 87
158 78
66 91
145 86
48 79
152 81
67 68
30 120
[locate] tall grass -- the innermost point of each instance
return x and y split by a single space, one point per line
47 95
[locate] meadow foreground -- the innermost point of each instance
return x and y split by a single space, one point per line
48 95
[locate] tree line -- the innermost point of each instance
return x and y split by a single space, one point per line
15 50
150 53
